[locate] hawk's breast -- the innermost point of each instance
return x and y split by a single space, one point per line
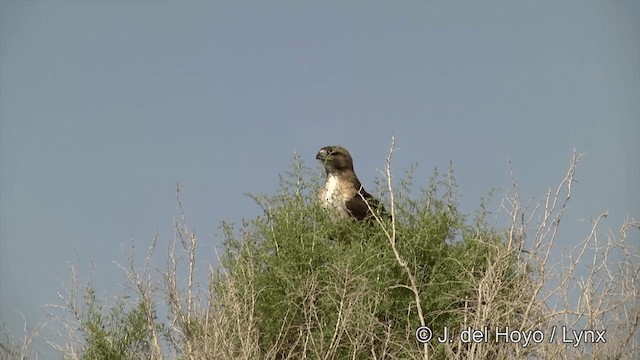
332 197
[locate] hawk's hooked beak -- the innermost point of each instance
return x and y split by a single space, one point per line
322 154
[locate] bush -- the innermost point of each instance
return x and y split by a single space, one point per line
122 334
291 284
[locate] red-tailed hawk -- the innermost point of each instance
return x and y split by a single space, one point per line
342 194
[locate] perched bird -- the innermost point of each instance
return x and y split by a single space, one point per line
342 194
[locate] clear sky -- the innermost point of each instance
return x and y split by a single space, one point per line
105 105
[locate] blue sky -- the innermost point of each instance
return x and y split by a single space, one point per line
105 105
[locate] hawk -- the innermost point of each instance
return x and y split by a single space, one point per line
342 194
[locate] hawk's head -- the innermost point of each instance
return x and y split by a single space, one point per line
335 159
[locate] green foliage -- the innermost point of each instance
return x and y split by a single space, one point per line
120 333
292 283
318 279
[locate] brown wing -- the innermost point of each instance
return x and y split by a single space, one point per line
359 209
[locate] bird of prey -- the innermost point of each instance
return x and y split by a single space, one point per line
342 194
